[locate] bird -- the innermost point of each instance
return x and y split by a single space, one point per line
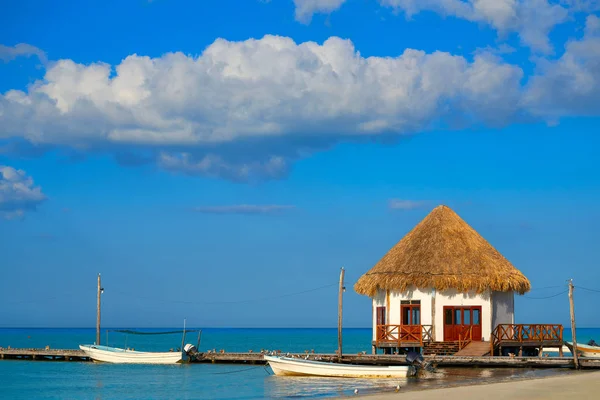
397 388
355 391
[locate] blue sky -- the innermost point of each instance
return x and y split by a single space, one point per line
219 160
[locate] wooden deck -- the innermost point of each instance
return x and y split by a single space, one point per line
474 349
518 337
43 354
367 359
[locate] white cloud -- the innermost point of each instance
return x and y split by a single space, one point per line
244 209
531 19
305 9
582 5
399 204
17 193
245 110
569 86
8 53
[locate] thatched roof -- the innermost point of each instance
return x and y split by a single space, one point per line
443 252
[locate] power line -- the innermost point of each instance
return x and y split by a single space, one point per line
589 290
547 297
548 287
230 302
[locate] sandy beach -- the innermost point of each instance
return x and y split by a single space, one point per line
580 385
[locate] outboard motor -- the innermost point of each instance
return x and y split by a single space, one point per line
417 360
190 350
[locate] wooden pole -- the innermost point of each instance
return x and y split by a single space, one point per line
183 337
98 312
572 304
340 298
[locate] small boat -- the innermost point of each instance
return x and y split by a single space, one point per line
287 366
126 356
586 350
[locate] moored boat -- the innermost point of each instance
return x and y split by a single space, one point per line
126 356
586 350
287 366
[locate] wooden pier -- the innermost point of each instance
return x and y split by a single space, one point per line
43 354
372 359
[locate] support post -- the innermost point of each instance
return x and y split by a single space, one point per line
340 299
100 290
572 307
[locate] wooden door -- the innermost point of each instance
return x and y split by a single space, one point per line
380 321
458 320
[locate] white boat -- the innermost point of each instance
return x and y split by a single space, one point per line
287 366
126 356
586 350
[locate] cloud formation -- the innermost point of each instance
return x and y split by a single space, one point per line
244 209
17 193
8 53
569 86
531 19
305 9
399 204
247 110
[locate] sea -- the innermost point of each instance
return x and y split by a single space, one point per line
84 380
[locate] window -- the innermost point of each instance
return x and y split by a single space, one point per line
457 318
476 317
448 316
410 312
380 315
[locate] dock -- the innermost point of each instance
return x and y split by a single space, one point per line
366 359
43 354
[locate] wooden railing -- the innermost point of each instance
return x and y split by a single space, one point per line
465 336
528 334
404 335
427 333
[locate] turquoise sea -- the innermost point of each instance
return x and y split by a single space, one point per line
79 380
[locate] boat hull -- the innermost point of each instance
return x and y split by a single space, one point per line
585 350
285 366
124 356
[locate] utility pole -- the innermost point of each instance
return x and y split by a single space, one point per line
340 299
100 291
575 357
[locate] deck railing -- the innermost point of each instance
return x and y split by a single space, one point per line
526 334
465 336
404 335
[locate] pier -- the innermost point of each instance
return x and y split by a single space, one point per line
372 359
43 354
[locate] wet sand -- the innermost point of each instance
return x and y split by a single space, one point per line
578 385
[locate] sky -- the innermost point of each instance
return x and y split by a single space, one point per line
220 161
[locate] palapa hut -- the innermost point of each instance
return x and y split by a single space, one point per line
442 282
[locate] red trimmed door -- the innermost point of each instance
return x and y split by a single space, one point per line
458 318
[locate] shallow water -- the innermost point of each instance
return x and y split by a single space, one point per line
80 380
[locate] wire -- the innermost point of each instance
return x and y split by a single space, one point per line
232 302
547 297
589 290
548 287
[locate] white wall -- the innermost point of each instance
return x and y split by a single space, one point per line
503 308
446 298
393 308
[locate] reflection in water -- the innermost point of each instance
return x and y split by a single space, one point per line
291 386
